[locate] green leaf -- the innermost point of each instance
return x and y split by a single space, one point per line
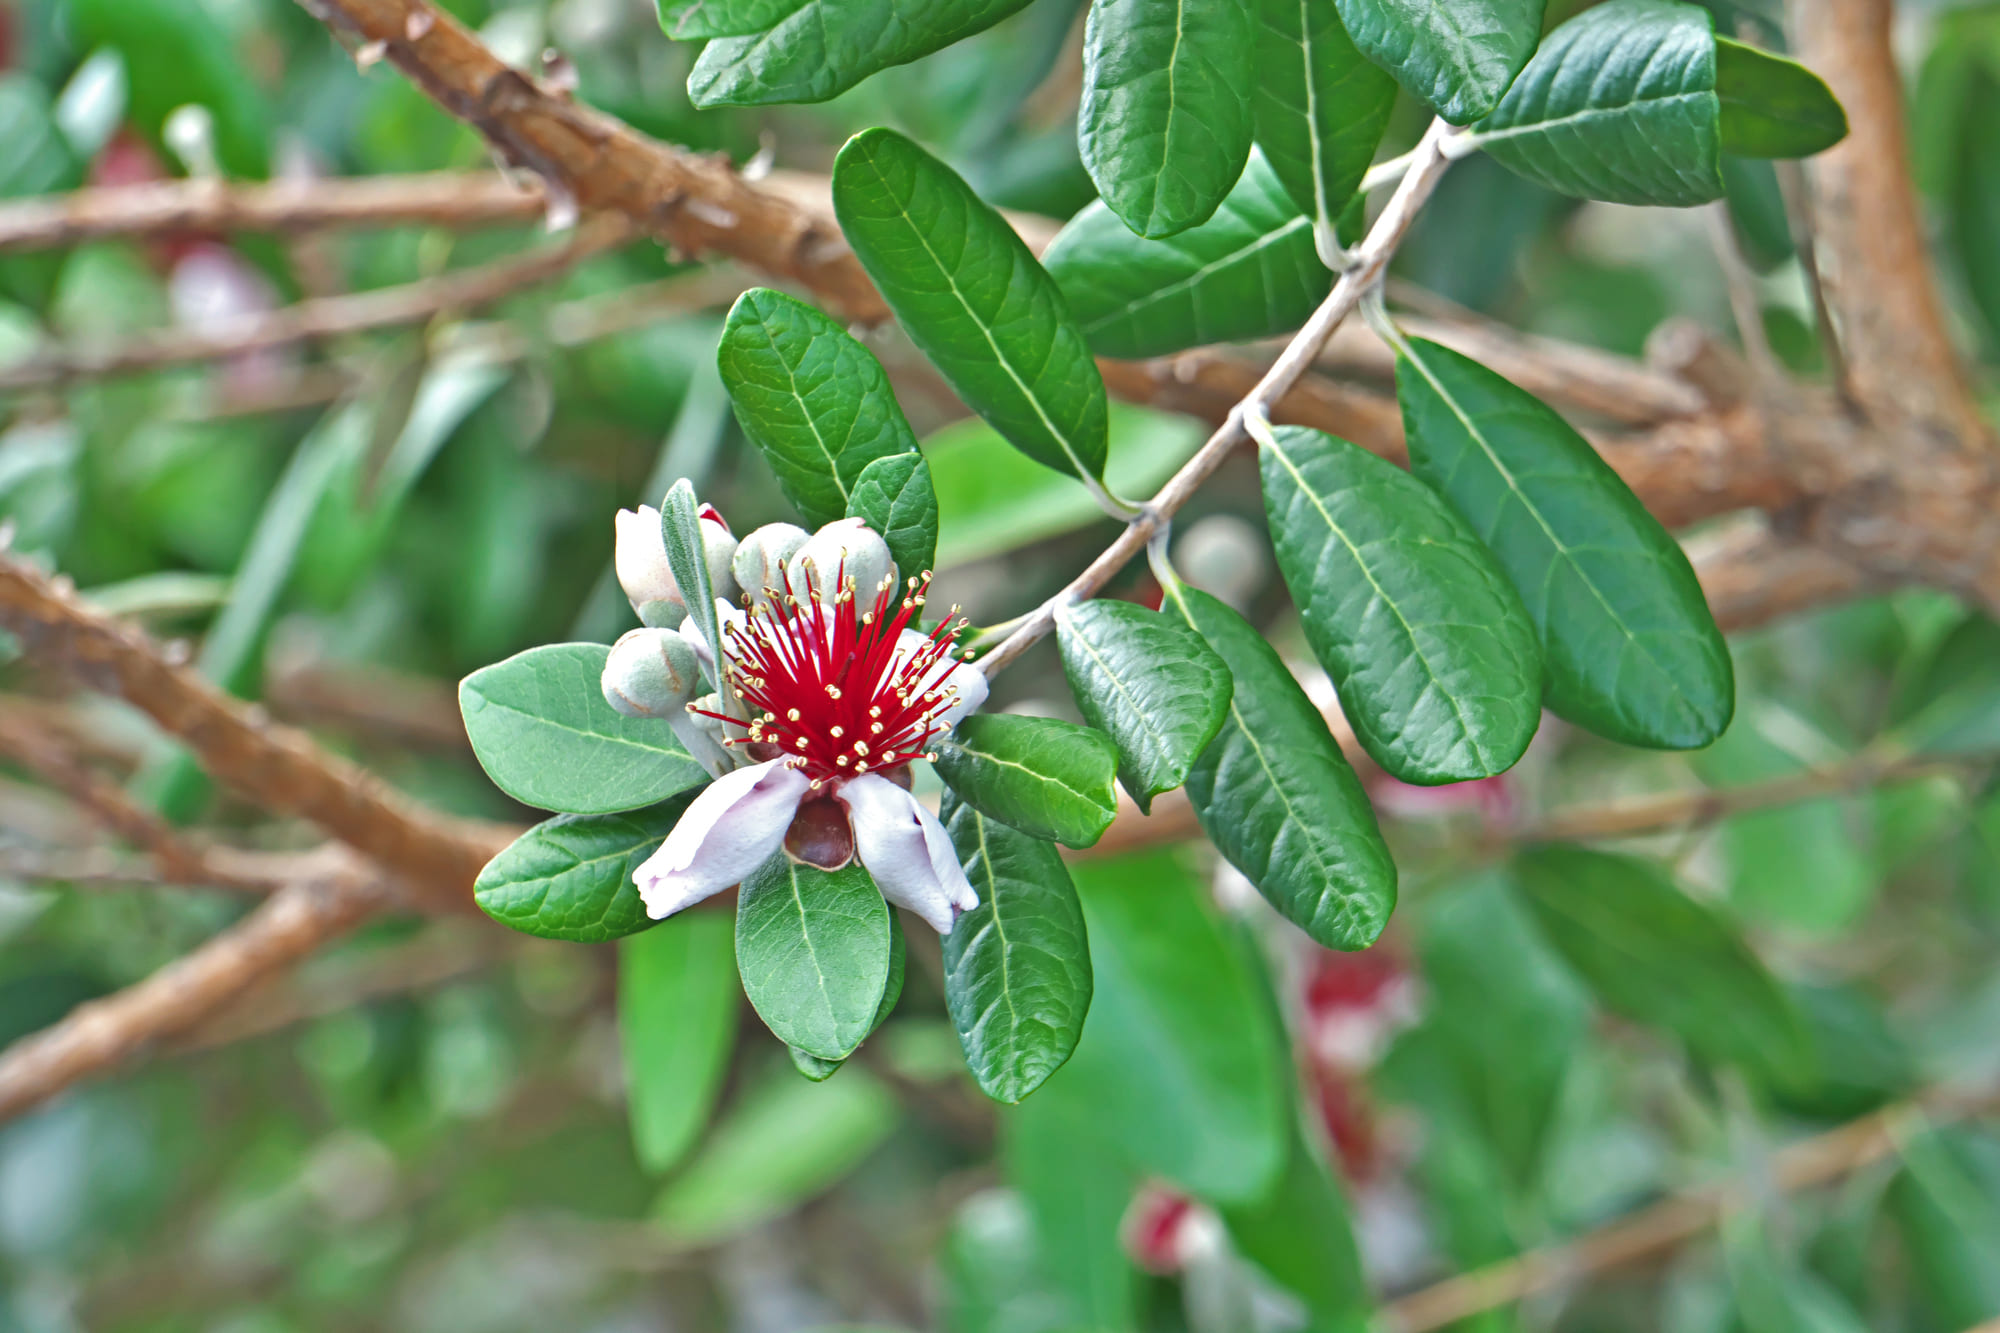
1251 271
1619 104
1181 1064
1773 107
1279 800
1946 1203
1630 648
996 1275
1432 654
783 1143
542 731
815 401
1017 967
1077 1185
1150 682
1458 56
1757 211
680 532
678 1001
1049 779
1773 1294
814 950
818 1070
824 47
691 20
1974 198
36 159
895 497
1658 957
1321 105
570 878
1164 126
1303 1238
176 55
966 288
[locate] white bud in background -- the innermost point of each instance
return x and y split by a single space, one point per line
1225 557
647 576
718 550
848 546
762 556
651 673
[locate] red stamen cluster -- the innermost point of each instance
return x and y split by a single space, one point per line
825 687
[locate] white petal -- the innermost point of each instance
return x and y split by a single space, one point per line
907 851
968 679
640 555
728 831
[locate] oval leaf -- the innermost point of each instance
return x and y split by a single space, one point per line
1320 105
1619 104
1773 107
1251 271
1456 55
814 951
1152 683
965 287
895 497
678 1000
1164 126
815 401
542 731
824 47
818 1070
1657 956
691 20
1279 800
1428 645
1017 967
1630 648
1047 778
570 878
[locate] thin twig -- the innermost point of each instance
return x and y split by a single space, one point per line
1820 1160
311 320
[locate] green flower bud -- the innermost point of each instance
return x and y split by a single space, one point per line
651 673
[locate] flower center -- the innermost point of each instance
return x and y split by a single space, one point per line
832 689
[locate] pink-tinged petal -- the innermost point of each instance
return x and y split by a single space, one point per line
907 851
725 833
640 556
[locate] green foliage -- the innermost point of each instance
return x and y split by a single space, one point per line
1429 647
1050 779
1771 106
1151 683
814 948
678 1001
1321 106
570 878
1458 56
1164 125
544 734
688 20
895 496
1017 967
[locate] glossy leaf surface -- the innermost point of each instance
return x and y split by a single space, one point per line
1773 107
813 948
1048 778
570 878
1320 105
894 496
1458 56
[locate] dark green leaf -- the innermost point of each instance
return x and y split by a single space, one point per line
783 1143
1975 198
1434 658
689 20
176 55
1457 55
1150 682
678 1000
1181 1063
1946 1203
1279 800
814 951
1165 121
1630 648
1251 271
965 287
1657 956
1321 105
1619 104
814 400
895 497
825 47
570 878
1859 1061
1047 778
818 1070
1773 107
1017 967
1757 210
542 731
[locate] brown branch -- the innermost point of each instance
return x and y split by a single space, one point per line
282 770
215 207
1820 1160
101 1035
312 320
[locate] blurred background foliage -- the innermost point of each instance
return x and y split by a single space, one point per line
434 1135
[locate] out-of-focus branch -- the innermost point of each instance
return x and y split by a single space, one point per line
97 1037
283 771
460 199
327 317
1672 1222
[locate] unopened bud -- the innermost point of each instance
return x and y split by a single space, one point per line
651 673
761 558
848 547
648 576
